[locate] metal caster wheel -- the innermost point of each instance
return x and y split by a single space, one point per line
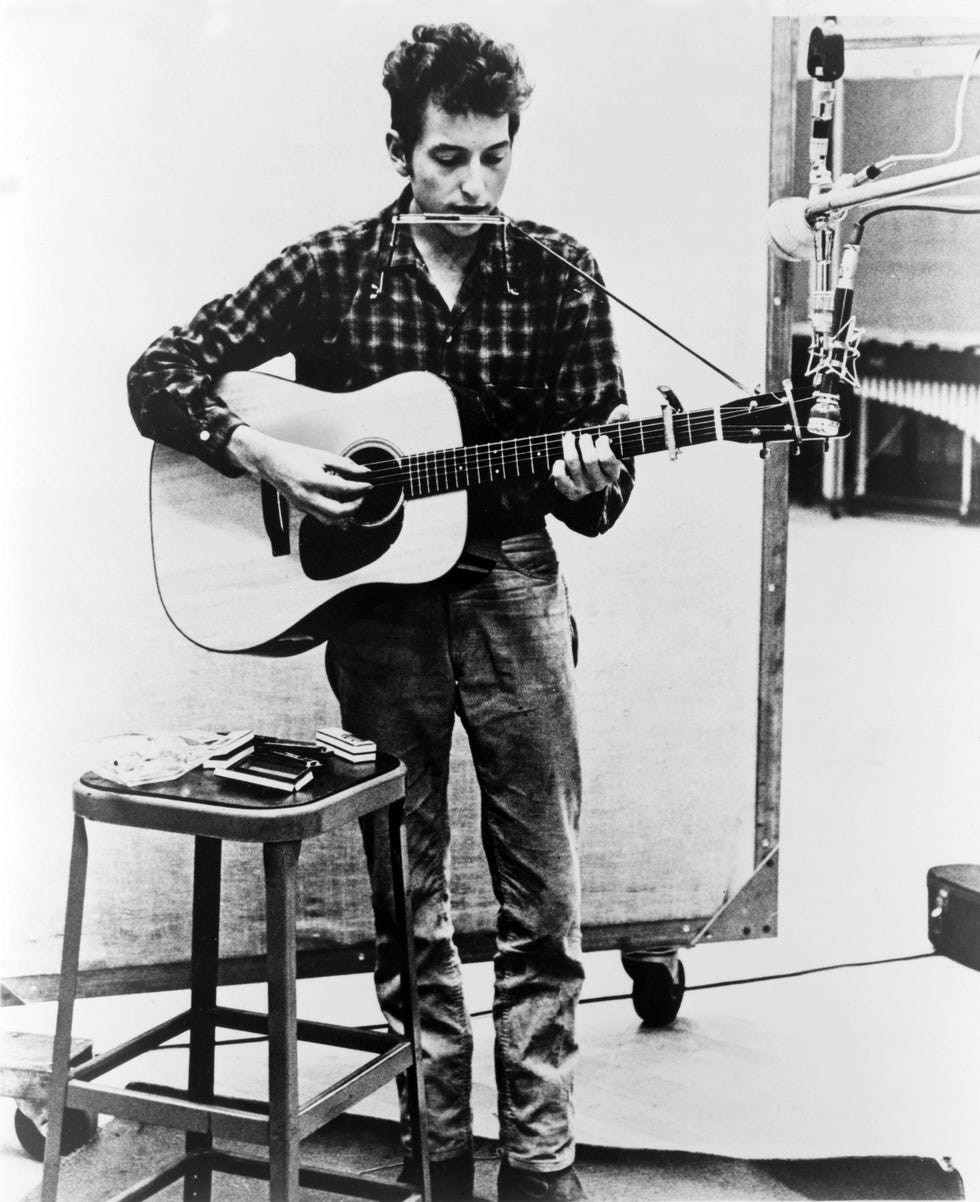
78 1128
658 986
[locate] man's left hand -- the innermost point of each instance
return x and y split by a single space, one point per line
590 464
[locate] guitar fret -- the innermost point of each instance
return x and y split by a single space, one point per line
427 473
542 451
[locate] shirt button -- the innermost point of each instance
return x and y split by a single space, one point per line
204 436
449 336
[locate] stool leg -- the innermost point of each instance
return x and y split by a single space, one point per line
280 911
67 988
205 925
414 1080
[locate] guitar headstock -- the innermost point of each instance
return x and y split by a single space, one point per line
774 417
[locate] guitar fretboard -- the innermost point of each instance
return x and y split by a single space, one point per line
429 473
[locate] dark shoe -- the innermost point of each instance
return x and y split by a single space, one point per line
452 1180
517 1185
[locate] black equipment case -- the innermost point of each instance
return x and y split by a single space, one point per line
954 912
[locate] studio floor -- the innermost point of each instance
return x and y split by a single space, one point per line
840 1059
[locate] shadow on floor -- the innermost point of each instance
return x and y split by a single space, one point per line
126 1152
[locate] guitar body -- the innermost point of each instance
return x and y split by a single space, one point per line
237 571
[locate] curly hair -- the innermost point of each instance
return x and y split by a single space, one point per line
460 70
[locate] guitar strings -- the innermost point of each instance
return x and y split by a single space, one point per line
636 432
512 452
435 476
634 437
497 461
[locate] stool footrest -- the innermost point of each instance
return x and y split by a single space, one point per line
358 1039
148 1041
224 1117
252 1105
309 1178
217 1161
329 1034
353 1088
184 1115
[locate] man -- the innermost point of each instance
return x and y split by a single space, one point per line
500 315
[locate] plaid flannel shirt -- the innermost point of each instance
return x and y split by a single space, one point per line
530 336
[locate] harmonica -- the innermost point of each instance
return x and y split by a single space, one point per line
449 219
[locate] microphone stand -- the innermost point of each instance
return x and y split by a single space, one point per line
825 65
834 338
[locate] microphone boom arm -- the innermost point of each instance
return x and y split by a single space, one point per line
940 176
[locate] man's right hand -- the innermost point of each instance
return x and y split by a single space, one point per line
329 487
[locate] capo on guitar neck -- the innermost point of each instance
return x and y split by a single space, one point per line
671 398
670 405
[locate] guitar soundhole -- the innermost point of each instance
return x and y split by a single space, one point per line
329 552
384 500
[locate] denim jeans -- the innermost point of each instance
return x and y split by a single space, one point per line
498 654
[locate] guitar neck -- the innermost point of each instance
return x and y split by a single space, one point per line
429 473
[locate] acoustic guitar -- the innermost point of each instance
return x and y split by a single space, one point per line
239 571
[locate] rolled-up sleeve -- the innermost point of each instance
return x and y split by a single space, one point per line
171 385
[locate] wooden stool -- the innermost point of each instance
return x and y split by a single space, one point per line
211 809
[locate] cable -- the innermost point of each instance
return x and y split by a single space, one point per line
625 997
891 160
779 976
218 1043
914 207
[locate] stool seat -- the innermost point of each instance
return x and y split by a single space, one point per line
210 810
201 803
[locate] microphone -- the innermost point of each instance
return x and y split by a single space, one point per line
831 370
790 232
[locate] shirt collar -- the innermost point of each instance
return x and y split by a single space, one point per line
494 261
